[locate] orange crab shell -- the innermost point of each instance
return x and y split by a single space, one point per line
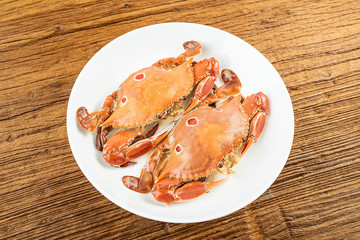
160 87
203 137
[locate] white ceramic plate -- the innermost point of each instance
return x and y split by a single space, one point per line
141 48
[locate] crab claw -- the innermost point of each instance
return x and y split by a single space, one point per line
89 121
115 146
206 72
206 67
142 184
116 154
100 138
231 87
202 90
145 182
93 120
193 190
165 190
257 102
192 48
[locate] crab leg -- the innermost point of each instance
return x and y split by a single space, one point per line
166 190
257 106
192 48
145 182
91 121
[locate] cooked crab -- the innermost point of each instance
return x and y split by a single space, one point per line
204 142
145 97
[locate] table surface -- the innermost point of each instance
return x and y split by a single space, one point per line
314 45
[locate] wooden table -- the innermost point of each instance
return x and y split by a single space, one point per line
315 46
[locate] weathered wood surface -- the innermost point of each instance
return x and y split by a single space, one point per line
315 46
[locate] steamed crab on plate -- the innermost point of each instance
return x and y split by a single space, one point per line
147 96
204 143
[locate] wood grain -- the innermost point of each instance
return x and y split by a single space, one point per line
315 46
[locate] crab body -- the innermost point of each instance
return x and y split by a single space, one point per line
202 138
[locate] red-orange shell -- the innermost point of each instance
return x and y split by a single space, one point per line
203 145
156 92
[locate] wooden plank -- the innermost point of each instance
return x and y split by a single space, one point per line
315 46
